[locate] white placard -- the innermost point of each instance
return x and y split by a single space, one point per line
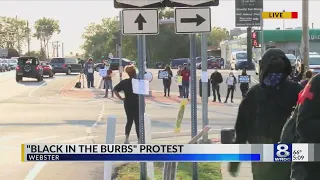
140 86
204 76
230 81
103 72
162 74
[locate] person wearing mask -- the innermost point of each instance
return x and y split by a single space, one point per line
167 81
244 87
185 73
216 79
130 101
89 72
309 75
307 128
231 83
264 111
108 81
180 84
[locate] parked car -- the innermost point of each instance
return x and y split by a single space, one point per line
65 65
13 63
159 65
212 62
6 64
2 66
47 69
114 63
30 67
179 62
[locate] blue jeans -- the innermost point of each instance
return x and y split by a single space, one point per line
90 80
185 89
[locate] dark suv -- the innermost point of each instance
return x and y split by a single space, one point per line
29 67
65 65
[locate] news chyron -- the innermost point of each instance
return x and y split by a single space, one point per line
282 153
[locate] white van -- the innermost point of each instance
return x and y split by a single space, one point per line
238 56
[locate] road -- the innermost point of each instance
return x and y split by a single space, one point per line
51 112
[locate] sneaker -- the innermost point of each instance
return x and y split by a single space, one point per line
213 100
232 102
126 141
105 96
225 101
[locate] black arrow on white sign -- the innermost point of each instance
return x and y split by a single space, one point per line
198 19
140 21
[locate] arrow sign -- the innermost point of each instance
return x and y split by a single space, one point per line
199 20
140 20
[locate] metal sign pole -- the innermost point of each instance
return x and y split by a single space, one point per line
143 165
120 46
205 84
261 32
193 97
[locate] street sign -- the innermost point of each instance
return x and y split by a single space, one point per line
192 20
248 13
138 3
192 3
140 21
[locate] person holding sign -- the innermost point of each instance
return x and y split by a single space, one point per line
231 82
130 101
244 86
167 81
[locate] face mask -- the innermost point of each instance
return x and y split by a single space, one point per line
272 79
230 75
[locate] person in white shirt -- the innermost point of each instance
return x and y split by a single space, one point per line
89 72
231 83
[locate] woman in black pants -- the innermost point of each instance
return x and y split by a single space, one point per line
131 101
167 81
244 87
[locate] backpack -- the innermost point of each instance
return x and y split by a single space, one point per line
78 84
289 131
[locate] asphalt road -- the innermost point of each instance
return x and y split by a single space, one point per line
157 85
35 112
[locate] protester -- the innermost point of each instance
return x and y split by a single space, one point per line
264 111
179 84
244 87
108 81
221 63
130 101
167 81
89 72
216 79
309 75
307 128
185 73
231 83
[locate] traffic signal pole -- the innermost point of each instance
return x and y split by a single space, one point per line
120 46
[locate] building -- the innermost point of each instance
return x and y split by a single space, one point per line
289 40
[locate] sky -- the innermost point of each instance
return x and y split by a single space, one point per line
74 16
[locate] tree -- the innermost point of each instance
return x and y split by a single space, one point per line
45 28
33 53
13 32
217 35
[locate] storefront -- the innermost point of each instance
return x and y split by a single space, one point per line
289 40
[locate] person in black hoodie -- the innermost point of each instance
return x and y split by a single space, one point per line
244 87
307 128
167 81
264 111
216 79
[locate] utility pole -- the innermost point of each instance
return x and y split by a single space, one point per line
120 46
305 34
283 26
18 38
62 49
28 37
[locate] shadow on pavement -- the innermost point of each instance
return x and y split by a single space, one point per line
33 83
85 123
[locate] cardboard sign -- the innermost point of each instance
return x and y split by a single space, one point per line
162 74
244 79
103 72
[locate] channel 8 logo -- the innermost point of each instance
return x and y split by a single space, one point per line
282 152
